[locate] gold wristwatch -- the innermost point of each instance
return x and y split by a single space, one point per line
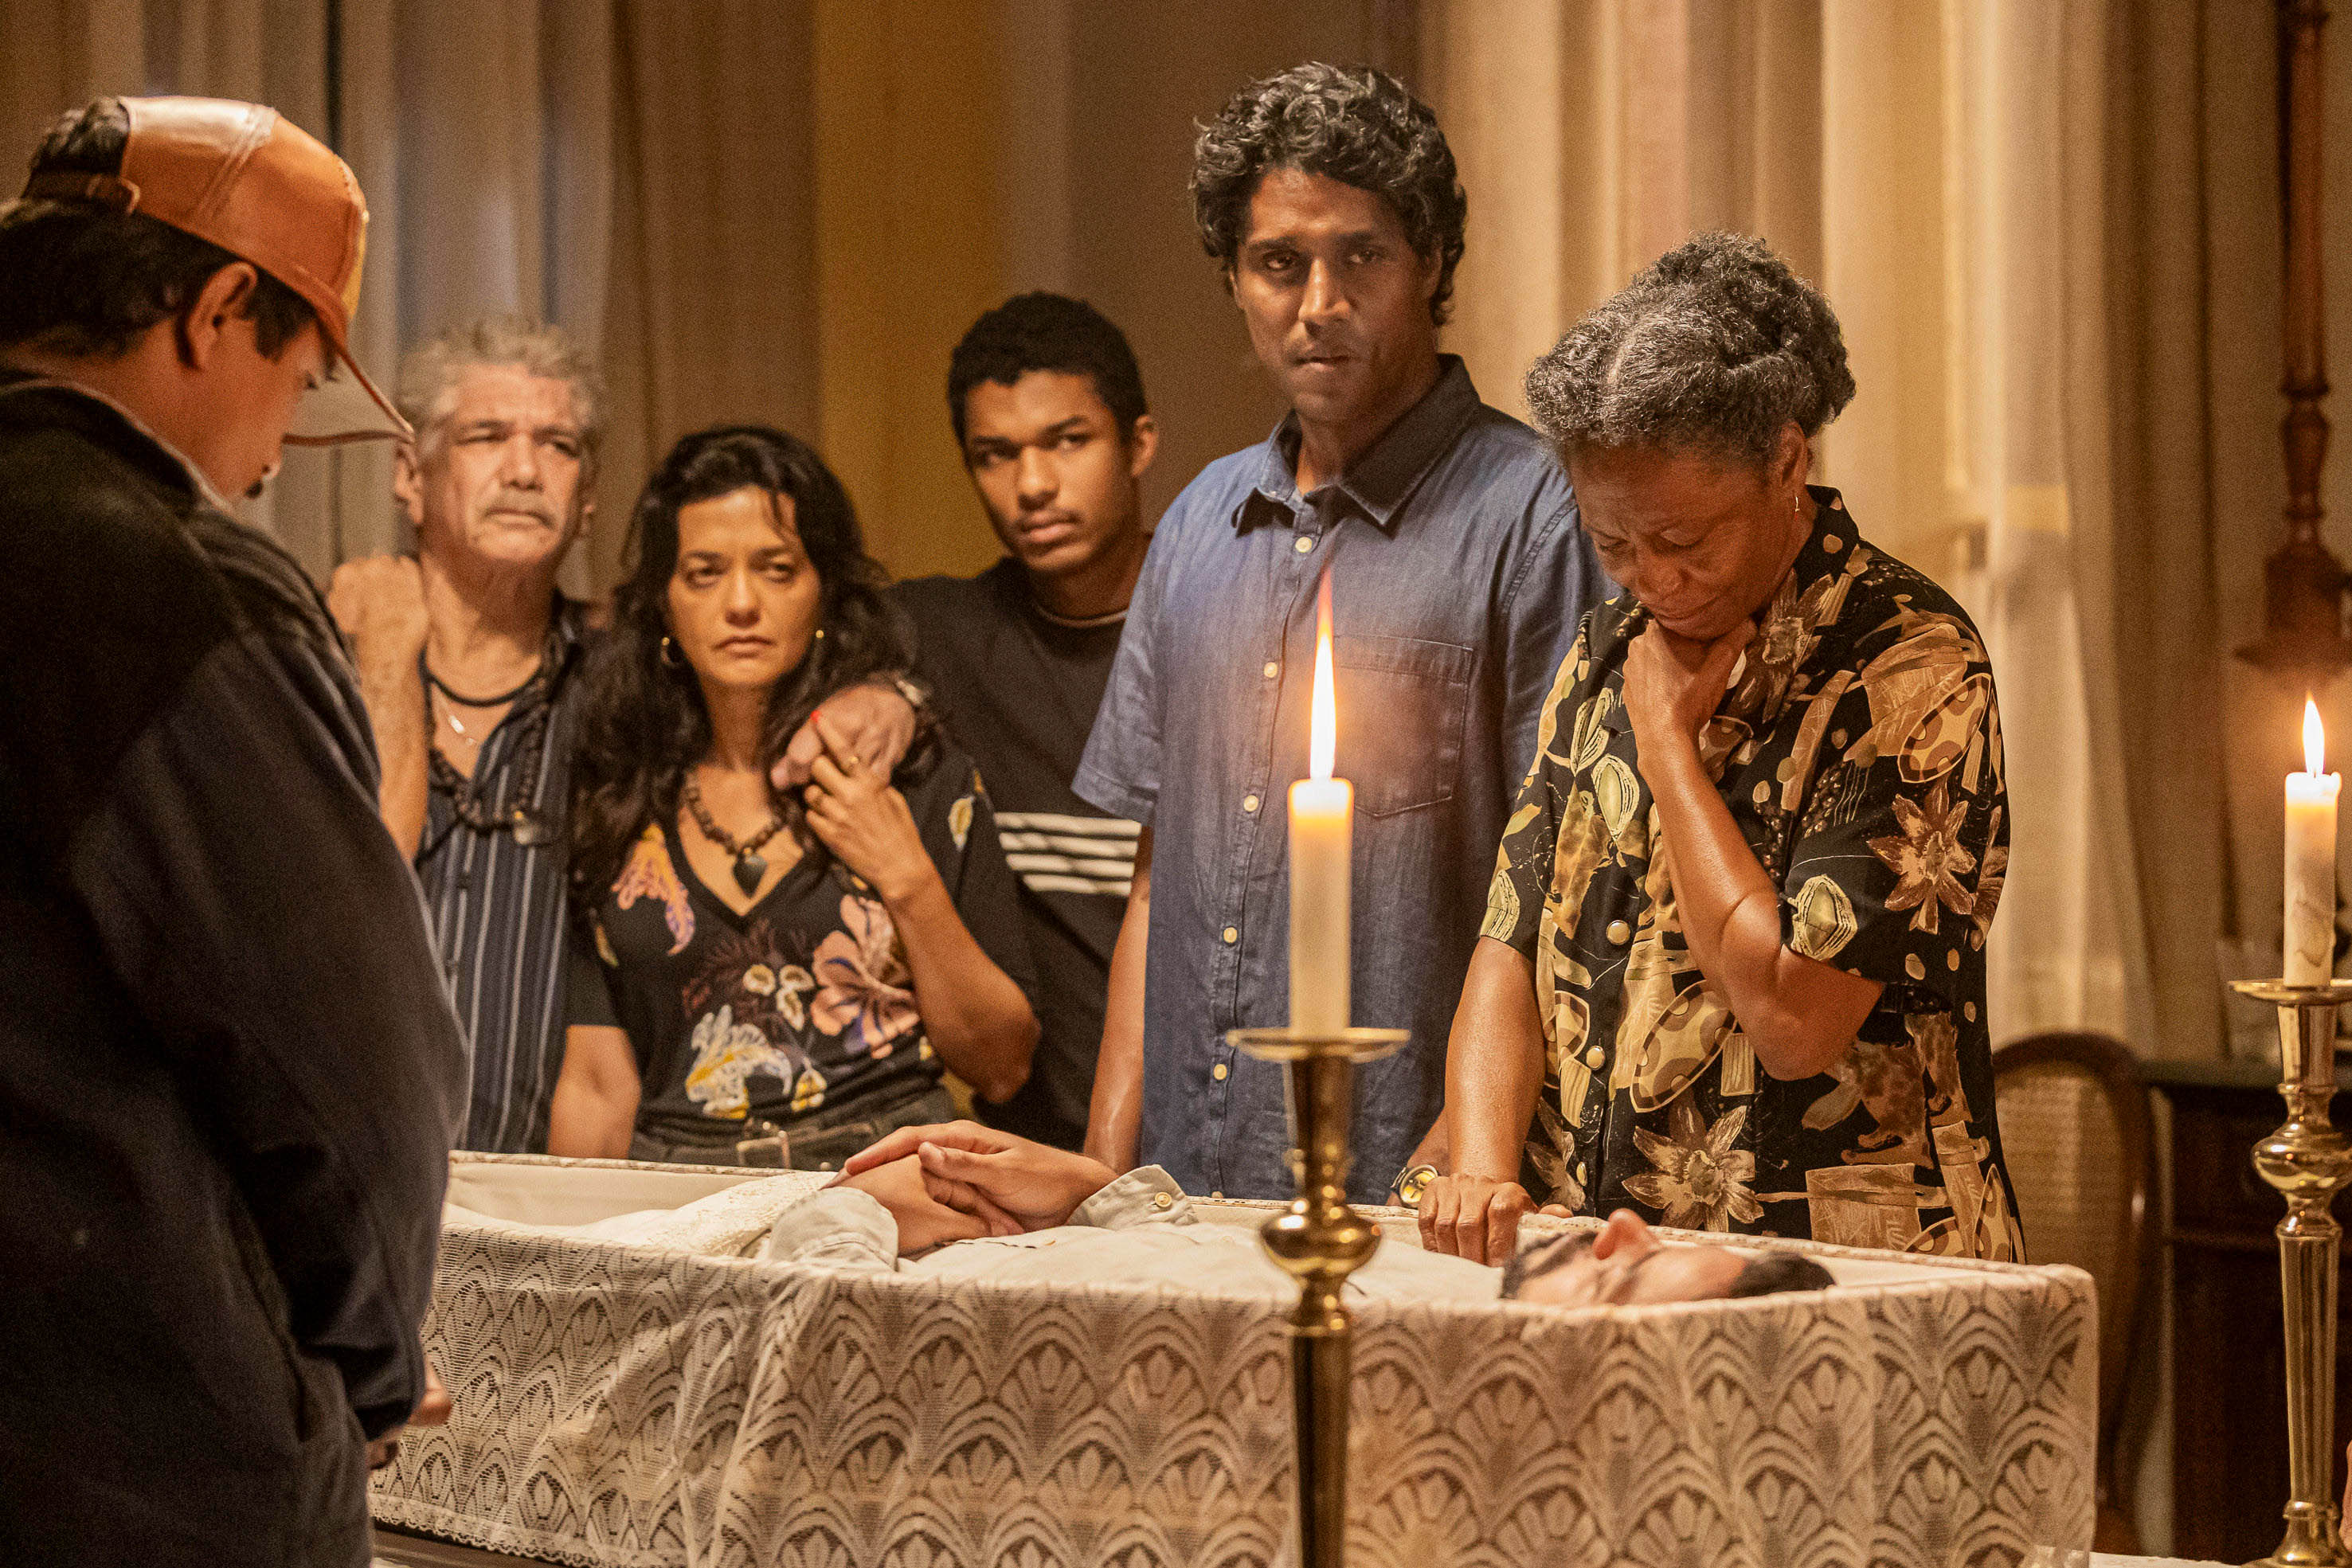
1410 1182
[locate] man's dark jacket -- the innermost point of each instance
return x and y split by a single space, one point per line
228 1070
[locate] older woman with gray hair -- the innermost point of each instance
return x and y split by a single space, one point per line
1731 975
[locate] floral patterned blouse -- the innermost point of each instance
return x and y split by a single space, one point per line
804 1002
1859 750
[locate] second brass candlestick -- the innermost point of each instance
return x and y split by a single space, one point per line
2309 1160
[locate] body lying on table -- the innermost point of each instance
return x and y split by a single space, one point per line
963 1201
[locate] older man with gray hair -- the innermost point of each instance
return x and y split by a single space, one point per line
468 660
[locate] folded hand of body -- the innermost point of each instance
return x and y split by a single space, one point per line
992 1176
920 1204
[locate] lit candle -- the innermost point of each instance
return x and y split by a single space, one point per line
2310 860
1322 812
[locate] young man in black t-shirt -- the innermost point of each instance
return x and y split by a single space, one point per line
1048 409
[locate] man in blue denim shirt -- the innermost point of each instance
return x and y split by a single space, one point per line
1458 577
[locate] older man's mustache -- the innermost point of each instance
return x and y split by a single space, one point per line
521 501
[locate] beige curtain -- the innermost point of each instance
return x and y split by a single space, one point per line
2049 226
711 315
1593 136
2214 352
634 171
2193 237
2027 490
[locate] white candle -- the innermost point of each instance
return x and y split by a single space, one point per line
2310 860
1322 822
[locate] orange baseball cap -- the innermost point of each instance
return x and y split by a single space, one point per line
245 178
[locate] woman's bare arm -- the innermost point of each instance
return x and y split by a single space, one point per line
595 1106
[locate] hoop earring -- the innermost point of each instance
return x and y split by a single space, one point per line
671 657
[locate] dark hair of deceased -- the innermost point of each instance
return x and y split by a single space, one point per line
1354 124
83 279
1777 1272
644 724
1715 348
1048 332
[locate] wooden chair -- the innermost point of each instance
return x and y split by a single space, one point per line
2077 1133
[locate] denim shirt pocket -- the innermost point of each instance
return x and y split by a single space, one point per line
1403 704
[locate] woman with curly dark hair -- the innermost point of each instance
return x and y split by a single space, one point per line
765 979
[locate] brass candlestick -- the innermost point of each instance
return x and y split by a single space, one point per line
1318 1240
2309 1161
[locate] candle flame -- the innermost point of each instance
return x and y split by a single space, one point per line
2315 740
1324 722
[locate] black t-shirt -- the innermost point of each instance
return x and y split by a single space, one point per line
803 1002
1019 692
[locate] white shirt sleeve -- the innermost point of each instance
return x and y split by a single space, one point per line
1147 1196
839 1227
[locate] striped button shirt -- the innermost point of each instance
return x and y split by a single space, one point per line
498 909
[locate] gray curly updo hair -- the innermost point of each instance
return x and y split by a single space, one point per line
1715 348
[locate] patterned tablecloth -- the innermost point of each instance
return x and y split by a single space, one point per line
627 1407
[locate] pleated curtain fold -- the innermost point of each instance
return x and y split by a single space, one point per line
637 171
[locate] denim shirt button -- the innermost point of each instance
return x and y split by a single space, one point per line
1231 936
1272 669
1219 1072
1304 545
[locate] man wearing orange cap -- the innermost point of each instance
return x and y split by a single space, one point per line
228 1069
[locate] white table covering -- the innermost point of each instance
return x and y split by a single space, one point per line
625 1407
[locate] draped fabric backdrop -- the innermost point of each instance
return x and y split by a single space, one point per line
635 170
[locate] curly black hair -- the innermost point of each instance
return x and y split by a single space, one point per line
1715 347
644 724
80 277
1354 124
1042 331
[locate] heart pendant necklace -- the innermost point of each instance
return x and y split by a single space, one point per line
750 866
